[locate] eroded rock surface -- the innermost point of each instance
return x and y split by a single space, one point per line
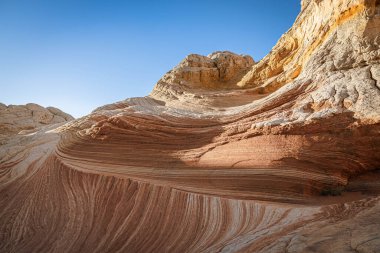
28 118
225 154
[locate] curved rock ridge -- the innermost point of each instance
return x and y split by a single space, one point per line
225 154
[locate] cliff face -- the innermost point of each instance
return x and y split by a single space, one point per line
225 154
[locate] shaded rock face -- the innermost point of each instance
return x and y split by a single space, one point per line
225 155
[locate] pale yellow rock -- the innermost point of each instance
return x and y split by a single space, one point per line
217 70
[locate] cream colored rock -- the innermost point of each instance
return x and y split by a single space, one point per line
217 70
16 119
197 74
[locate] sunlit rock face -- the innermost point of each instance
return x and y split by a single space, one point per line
224 155
28 118
218 70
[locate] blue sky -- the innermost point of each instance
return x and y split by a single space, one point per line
78 55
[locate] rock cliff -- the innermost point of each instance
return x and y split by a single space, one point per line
225 154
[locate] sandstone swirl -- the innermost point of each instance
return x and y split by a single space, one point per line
224 155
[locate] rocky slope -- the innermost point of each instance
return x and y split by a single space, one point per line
225 154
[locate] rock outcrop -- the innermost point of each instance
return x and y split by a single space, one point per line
16 119
217 70
225 154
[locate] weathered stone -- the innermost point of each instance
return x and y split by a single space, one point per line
225 155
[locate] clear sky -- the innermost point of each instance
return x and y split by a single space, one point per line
80 54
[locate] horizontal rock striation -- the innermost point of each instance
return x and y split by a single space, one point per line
224 155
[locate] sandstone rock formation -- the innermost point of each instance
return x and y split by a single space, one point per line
28 118
225 155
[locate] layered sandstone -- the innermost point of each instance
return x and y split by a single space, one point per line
225 154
